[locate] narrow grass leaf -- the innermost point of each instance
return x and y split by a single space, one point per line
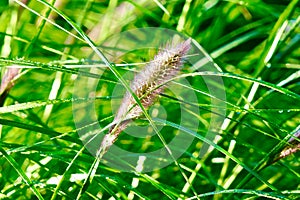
21 173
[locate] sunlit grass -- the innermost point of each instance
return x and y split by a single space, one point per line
255 52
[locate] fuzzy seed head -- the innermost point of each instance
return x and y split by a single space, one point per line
150 82
147 85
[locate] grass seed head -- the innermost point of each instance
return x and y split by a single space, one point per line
148 84
152 80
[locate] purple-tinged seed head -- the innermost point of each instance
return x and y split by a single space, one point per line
147 85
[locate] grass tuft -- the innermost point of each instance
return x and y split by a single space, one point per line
245 100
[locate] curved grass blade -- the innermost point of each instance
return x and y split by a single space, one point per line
236 76
36 104
21 173
274 37
255 193
220 149
37 129
116 73
58 186
46 66
46 19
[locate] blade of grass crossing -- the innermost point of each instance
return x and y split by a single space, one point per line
272 40
40 29
124 83
254 193
182 18
56 190
46 19
235 159
21 173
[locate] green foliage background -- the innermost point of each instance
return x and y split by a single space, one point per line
255 43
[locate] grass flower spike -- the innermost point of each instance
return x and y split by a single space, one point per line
146 85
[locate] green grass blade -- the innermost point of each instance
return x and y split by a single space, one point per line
21 173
